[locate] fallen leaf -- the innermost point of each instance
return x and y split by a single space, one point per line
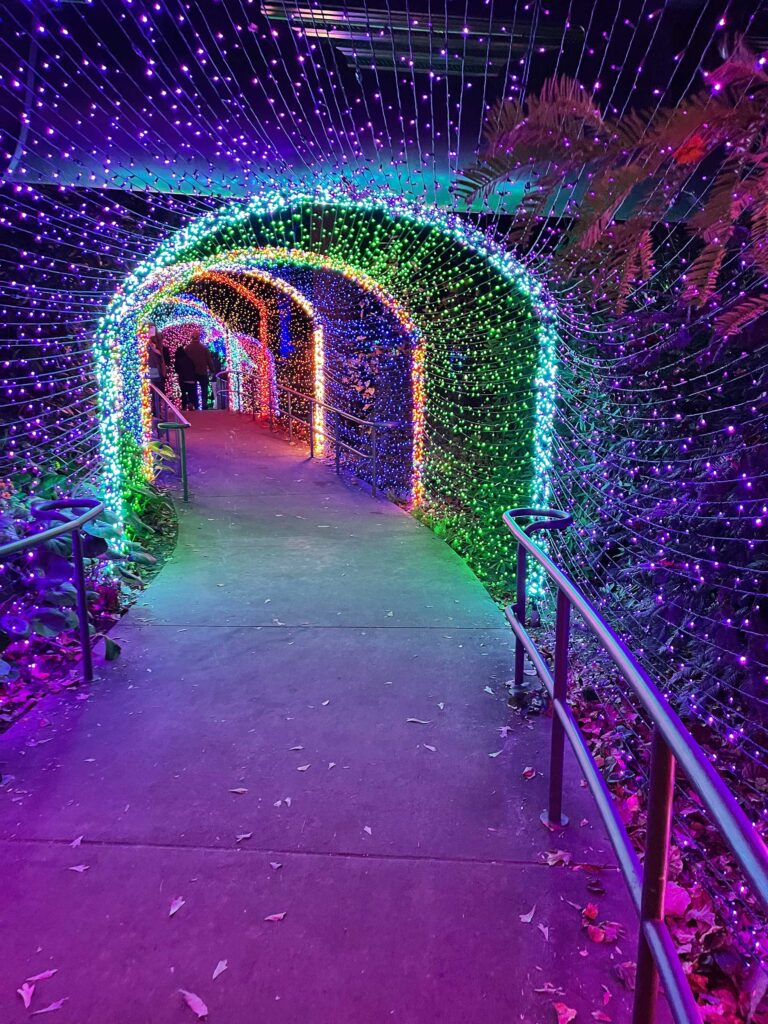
487 689
565 1014
220 967
244 835
368 829
177 904
553 857
527 918
331 764
428 747
418 721
495 753
676 900
26 992
44 975
596 933
80 868
239 792
51 1007
276 917
302 768
612 930
544 931
296 748
325 703
590 912
76 842
195 1003
441 705
548 989
601 1015
275 865
287 801
626 974
529 773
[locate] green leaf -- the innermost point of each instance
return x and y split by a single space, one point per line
111 649
52 621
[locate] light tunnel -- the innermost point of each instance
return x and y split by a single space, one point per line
404 313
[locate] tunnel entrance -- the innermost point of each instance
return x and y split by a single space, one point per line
418 318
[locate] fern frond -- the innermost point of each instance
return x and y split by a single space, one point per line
743 313
563 99
485 176
701 277
645 252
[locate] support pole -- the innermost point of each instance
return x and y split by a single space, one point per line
554 813
82 605
661 791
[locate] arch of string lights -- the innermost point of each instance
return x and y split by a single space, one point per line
359 234
125 121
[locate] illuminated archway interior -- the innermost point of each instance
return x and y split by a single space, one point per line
395 314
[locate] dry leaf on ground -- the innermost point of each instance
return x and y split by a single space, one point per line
276 917
195 1003
51 1007
220 967
565 1014
177 904
527 918
553 857
26 992
44 975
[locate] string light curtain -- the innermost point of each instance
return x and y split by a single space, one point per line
614 151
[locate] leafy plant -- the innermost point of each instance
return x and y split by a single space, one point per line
38 600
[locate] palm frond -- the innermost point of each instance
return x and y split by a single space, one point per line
486 176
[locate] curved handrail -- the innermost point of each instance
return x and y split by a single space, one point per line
93 507
672 744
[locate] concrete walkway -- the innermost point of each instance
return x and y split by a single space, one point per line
251 753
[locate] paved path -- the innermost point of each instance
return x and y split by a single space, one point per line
258 716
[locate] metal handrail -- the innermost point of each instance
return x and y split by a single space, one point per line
180 424
372 426
671 744
52 509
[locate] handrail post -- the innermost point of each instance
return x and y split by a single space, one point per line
374 435
290 420
82 605
553 816
661 792
520 604
183 462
